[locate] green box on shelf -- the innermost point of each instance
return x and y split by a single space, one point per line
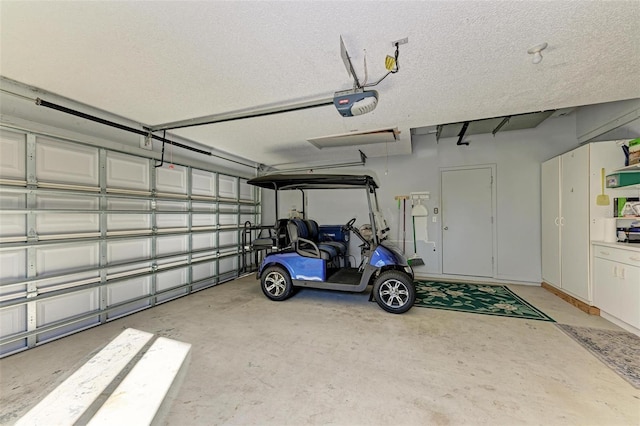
617 180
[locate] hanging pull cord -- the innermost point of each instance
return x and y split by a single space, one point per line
397 68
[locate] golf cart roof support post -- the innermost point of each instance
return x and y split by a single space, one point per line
275 187
372 217
302 210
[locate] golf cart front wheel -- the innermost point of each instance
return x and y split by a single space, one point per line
276 283
394 292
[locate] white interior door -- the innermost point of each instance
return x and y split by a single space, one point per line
467 222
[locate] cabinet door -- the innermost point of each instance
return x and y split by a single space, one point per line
616 290
551 221
574 221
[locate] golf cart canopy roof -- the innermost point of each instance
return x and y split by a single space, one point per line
313 181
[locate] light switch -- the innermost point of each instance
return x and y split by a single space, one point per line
434 219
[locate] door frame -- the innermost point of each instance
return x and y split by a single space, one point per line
494 211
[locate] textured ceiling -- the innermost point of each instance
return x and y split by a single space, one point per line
157 62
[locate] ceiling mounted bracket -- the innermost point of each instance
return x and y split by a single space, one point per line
461 134
499 126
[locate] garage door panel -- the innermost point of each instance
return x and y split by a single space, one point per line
12 201
228 219
66 330
229 264
205 240
65 258
54 309
13 225
202 220
129 289
13 320
172 244
246 191
170 279
127 172
169 295
172 220
13 267
66 163
176 206
228 187
12 155
203 270
203 183
228 238
66 223
124 204
128 222
128 250
9 348
172 181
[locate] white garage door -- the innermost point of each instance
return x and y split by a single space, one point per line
88 235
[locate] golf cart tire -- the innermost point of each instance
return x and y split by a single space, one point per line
276 283
394 292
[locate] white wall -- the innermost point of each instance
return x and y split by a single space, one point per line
517 155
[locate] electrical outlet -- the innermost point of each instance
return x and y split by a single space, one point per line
399 42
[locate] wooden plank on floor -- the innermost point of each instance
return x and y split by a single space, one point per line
139 397
67 402
591 310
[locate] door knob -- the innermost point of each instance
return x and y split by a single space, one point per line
446 228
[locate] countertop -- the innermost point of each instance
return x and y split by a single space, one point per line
625 246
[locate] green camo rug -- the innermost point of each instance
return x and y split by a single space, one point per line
476 298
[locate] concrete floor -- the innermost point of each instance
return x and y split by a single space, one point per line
334 358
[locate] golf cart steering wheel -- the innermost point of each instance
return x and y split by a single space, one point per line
349 224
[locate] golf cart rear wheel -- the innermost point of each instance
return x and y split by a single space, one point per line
276 283
394 292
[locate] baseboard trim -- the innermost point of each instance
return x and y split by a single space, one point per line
585 307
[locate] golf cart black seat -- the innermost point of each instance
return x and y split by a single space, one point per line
314 235
299 236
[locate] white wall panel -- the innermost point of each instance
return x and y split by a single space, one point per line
228 187
171 295
127 290
172 244
67 163
128 250
203 240
169 279
58 308
12 155
127 172
60 258
171 180
203 183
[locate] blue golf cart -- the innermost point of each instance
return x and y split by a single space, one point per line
301 253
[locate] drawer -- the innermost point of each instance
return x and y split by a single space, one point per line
629 257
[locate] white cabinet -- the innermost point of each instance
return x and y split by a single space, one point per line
570 185
616 282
